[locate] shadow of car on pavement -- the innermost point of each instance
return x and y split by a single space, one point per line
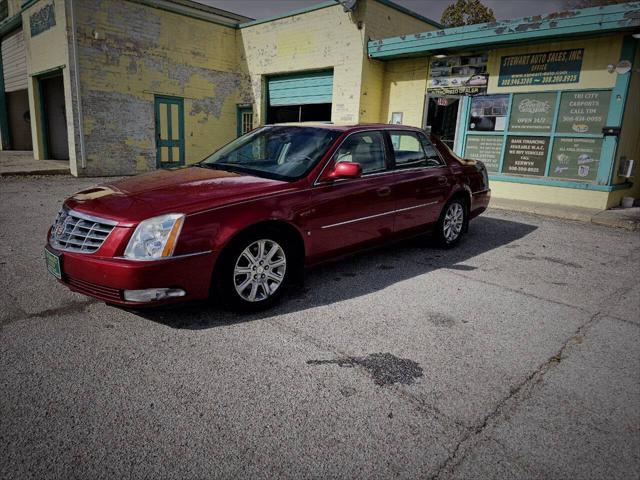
355 276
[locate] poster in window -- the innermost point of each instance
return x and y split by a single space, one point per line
486 148
545 68
532 112
575 158
583 112
458 75
525 155
488 113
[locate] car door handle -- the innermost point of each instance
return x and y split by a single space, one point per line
384 191
442 180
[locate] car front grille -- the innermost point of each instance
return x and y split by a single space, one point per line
93 290
77 232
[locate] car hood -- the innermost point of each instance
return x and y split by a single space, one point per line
186 190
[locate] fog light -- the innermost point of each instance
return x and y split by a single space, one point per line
152 294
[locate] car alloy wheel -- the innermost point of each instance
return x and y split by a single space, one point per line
259 270
453 222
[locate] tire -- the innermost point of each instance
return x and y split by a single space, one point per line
254 271
452 223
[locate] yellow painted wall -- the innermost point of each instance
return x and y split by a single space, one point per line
395 85
316 40
629 141
45 52
328 38
405 83
128 53
554 195
598 53
383 21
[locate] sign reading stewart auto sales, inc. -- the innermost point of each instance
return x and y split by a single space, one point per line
546 68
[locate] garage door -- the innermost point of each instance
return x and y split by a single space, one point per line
300 97
301 89
14 62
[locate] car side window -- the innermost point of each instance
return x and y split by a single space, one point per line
433 157
364 148
413 150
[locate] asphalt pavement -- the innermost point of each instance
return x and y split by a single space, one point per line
515 355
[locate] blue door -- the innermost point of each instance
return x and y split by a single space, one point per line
169 113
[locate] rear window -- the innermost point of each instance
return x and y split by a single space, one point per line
413 150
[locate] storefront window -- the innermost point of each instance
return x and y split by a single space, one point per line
576 158
526 155
488 113
532 112
487 149
557 135
583 112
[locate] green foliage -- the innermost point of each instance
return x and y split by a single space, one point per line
466 12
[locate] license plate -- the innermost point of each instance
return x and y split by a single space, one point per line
53 263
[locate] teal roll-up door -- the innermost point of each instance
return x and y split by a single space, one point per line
301 88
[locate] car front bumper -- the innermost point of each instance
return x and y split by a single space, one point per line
107 278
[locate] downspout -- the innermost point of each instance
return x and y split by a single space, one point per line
76 81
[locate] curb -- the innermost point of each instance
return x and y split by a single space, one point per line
625 222
616 218
34 173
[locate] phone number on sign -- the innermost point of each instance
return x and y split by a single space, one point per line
537 79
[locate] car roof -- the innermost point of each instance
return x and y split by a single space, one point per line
347 127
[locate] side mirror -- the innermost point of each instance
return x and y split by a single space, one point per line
345 170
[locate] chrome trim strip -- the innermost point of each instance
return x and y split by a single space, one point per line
91 218
377 215
53 241
173 257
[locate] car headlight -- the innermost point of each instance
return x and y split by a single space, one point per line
155 237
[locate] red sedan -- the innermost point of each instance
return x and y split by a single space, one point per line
246 220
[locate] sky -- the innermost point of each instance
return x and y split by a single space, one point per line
503 9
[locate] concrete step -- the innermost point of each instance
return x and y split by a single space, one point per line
19 163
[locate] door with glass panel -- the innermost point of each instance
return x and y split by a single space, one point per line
169 115
245 120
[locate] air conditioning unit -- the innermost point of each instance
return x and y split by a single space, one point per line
627 167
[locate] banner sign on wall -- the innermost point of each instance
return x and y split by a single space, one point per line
576 158
460 75
486 148
546 68
583 112
525 155
532 112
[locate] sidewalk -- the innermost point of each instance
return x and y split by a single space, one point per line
22 163
627 218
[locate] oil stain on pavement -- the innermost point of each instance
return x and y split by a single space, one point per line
385 368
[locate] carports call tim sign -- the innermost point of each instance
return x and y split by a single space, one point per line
546 68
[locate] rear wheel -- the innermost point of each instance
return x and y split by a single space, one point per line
452 223
254 272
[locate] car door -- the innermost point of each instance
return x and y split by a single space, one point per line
422 180
352 212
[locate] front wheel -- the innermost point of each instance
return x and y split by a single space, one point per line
452 223
254 272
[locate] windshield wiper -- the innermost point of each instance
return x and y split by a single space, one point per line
217 166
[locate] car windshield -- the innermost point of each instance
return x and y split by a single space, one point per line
279 152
